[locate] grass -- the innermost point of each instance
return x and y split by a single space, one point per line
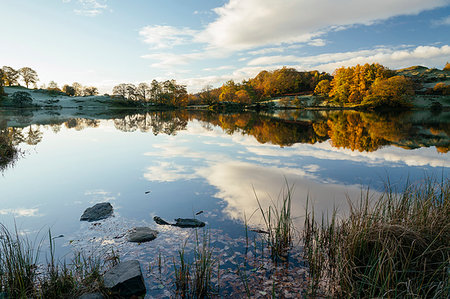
395 246
22 277
278 224
193 280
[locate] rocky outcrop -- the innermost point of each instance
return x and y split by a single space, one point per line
142 234
97 212
125 279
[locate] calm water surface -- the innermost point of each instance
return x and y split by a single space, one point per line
197 161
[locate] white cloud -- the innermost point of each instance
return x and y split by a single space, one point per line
159 37
90 8
442 22
246 24
386 56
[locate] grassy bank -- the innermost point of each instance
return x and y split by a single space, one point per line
396 246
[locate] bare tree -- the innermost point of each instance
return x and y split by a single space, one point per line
128 91
10 75
143 92
28 75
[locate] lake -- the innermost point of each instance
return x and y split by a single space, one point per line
179 163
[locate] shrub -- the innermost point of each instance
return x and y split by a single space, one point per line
22 99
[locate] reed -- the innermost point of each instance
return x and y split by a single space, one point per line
193 280
278 224
394 246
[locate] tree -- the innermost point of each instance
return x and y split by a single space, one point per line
323 88
2 92
53 86
127 91
10 75
69 90
143 92
90 91
243 97
78 89
391 92
28 75
447 67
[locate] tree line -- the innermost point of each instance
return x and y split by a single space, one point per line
11 77
159 93
266 85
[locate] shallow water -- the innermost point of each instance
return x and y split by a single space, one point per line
175 164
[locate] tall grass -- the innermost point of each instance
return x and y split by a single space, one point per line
22 277
193 280
18 264
278 224
394 246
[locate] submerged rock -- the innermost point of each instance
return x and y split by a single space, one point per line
97 212
125 279
160 221
142 234
187 222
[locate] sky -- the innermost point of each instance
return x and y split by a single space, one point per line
206 42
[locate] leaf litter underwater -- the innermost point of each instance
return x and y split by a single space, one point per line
243 267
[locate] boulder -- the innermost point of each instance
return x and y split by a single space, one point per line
125 279
142 234
187 222
97 212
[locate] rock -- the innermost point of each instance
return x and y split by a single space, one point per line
92 296
142 234
160 221
186 222
97 212
125 279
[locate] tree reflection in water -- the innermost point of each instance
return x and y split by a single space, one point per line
361 131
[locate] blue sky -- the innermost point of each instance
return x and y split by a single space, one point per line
106 42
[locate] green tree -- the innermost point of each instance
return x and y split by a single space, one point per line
28 75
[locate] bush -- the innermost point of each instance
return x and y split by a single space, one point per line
22 99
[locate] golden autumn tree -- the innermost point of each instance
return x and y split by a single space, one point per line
396 91
350 85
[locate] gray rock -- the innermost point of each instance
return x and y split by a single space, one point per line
92 296
142 234
160 221
186 222
97 212
125 279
